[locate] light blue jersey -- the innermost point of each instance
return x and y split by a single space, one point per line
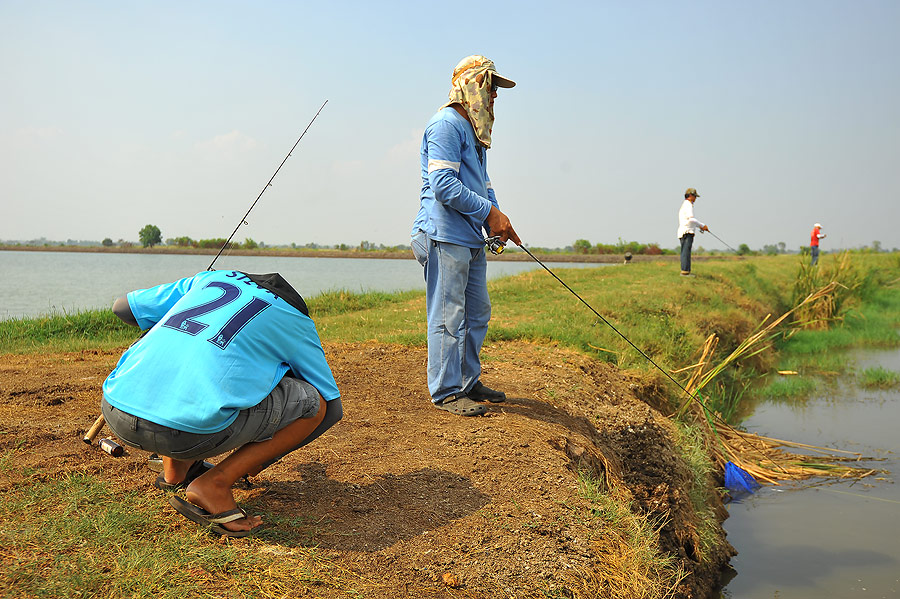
218 343
456 195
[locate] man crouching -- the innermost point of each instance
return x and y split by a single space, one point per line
229 362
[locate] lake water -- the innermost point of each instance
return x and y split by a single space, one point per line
837 540
45 282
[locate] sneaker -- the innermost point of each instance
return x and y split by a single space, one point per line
479 392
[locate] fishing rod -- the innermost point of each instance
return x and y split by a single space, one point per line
735 476
243 221
720 239
496 247
98 424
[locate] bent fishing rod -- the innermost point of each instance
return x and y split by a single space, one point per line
243 220
98 424
720 239
496 247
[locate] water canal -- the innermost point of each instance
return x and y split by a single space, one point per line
825 539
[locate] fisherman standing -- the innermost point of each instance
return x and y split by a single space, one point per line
814 242
457 202
687 226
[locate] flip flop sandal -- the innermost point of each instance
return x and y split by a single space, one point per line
213 521
197 468
461 406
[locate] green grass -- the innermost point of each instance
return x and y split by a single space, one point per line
100 329
666 316
873 323
331 303
62 331
76 534
879 378
662 314
790 387
689 442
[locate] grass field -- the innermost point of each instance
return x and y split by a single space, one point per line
667 316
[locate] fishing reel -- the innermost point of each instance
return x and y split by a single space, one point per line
495 245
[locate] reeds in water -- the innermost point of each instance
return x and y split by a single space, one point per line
765 458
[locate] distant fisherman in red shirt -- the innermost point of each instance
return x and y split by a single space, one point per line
814 242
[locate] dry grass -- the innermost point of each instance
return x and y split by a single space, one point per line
826 308
763 457
630 564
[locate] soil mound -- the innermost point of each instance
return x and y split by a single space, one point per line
413 497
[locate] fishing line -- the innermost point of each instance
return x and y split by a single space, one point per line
243 221
723 243
608 323
861 496
496 246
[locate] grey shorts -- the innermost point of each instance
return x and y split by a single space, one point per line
290 400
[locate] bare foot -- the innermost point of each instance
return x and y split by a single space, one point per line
174 471
211 492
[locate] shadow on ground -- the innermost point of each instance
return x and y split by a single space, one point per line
320 511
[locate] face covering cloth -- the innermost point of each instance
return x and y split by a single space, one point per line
471 89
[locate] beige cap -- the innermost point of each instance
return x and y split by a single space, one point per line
475 61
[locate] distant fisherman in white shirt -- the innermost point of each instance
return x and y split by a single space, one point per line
687 227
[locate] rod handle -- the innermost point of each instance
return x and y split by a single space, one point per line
94 430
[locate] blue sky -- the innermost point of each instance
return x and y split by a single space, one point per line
781 113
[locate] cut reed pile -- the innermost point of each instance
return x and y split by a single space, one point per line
765 458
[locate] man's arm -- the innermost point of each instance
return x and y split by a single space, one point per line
444 146
123 311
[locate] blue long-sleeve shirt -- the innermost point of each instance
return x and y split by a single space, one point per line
456 195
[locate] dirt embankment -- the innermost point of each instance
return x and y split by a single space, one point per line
406 493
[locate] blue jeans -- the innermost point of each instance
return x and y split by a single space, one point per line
458 310
687 240
814 250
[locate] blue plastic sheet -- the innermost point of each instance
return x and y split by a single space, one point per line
739 480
